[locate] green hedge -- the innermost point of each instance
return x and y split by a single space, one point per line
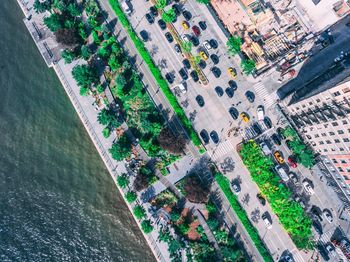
155 72
224 184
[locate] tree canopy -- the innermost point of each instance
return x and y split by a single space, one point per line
248 66
168 141
169 16
85 75
121 149
234 44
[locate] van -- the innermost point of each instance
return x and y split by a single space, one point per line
265 148
280 171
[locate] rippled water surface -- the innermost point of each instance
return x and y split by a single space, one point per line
57 201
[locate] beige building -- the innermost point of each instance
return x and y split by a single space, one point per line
323 119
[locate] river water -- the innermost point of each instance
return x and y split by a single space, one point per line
57 201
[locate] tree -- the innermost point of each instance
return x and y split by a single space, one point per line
143 178
85 52
41 7
113 62
234 44
196 191
160 4
290 132
120 81
106 132
85 75
130 196
105 117
139 212
84 91
307 158
67 36
203 1
123 180
186 46
53 22
146 226
168 141
248 66
121 149
73 10
68 56
169 16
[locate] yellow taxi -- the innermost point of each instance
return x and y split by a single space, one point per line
244 117
278 157
232 72
203 55
185 25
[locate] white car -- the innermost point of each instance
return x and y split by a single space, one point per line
331 250
185 38
308 188
328 215
235 188
280 171
266 221
182 88
260 112
207 45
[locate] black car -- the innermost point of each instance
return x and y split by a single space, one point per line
214 137
219 91
194 76
177 48
187 15
261 199
214 58
149 18
162 24
267 122
233 85
186 63
275 138
233 112
256 127
250 96
288 144
194 41
229 92
214 44
169 37
153 10
216 71
169 77
280 132
202 25
202 64
204 135
200 100
144 35
318 227
177 9
183 74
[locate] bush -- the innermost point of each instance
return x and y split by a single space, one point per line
139 212
147 226
106 132
130 196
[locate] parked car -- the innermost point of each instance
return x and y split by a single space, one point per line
214 136
177 48
219 91
202 25
187 15
169 77
183 74
291 162
185 25
196 30
288 144
265 148
294 177
308 188
162 24
233 85
200 100
153 10
266 218
207 45
214 44
204 135
232 72
278 157
169 37
317 226
267 122
144 35
260 112
280 171
203 55
214 58
216 71
202 64
331 250
182 88
245 117
261 199
235 187
298 199
194 76
233 112
275 138
194 41
280 131
186 63
328 215
250 96
149 18
185 38
229 92
256 127
177 9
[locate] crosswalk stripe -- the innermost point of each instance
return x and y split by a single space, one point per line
222 149
261 91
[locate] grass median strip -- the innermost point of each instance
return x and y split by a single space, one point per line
224 184
156 73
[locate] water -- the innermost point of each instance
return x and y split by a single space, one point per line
57 201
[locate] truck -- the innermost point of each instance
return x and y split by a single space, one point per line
265 148
125 6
